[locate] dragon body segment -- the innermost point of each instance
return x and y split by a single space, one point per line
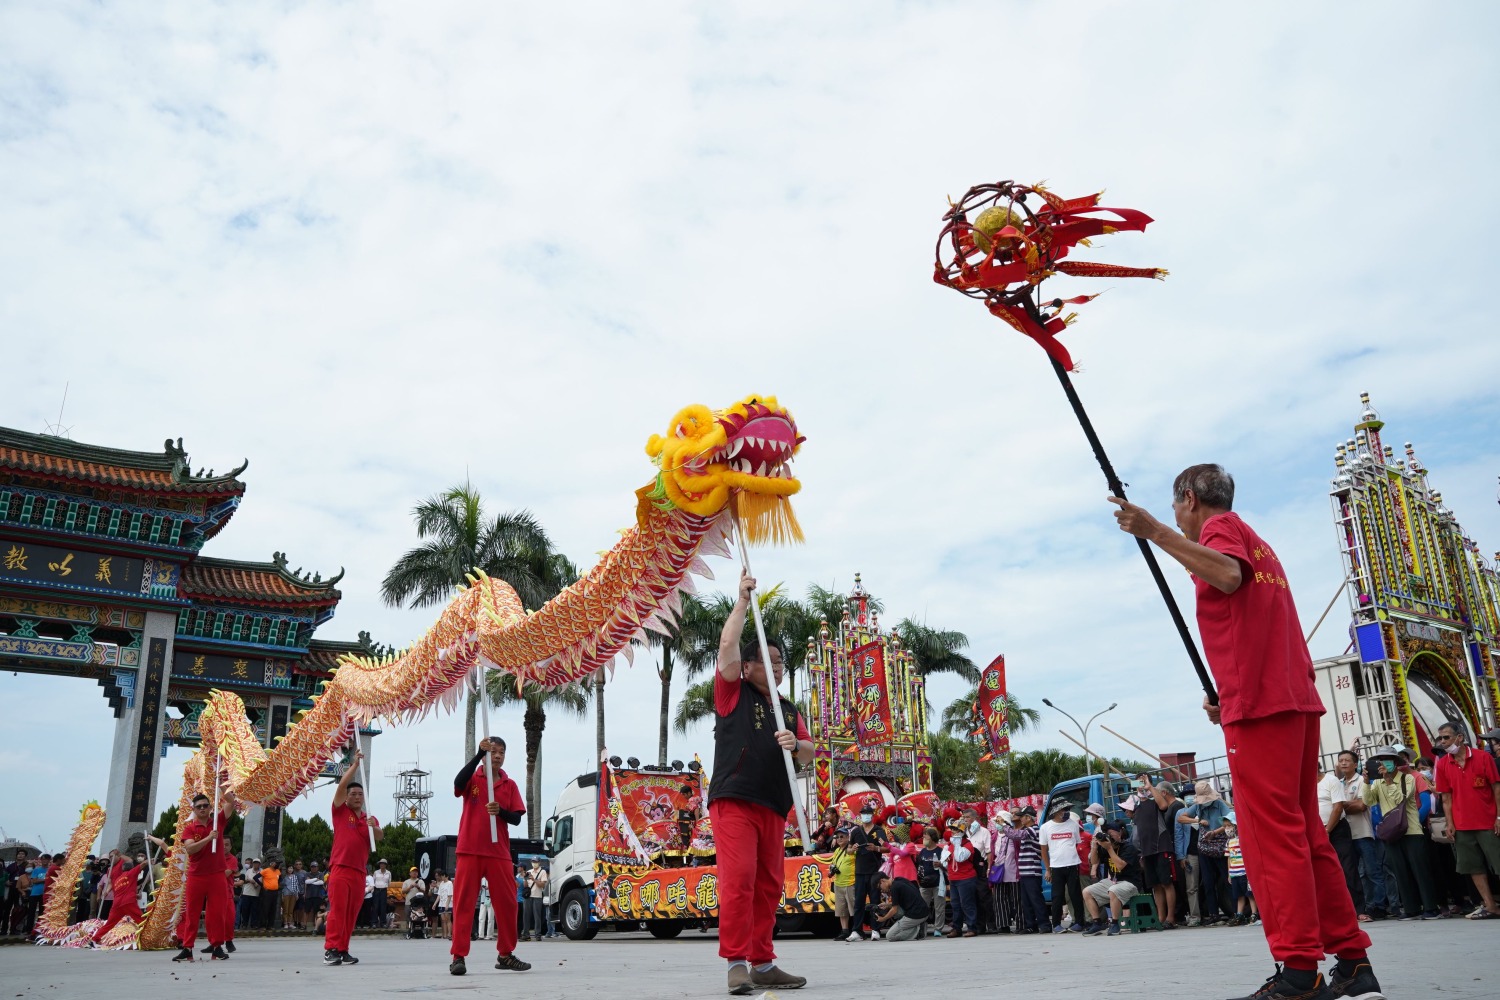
717 470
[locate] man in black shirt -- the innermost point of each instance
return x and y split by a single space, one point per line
906 899
1120 867
868 842
1155 835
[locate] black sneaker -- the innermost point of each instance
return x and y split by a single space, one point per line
1354 980
1097 927
229 947
331 957
456 967
185 955
512 963
218 954
1289 984
1114 929
206 949
348 959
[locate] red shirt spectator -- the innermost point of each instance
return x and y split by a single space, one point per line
1470 777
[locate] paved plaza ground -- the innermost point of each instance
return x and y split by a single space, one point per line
1451 959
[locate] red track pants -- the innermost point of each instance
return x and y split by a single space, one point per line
119 910
1294 872
210 892
751 844
346 891
502 880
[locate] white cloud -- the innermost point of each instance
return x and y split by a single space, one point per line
374 249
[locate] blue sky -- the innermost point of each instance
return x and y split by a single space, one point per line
375 248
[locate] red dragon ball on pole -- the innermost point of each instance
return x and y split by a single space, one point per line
999 242
1012 246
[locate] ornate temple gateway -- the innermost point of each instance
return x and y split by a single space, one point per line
101 577
1425 605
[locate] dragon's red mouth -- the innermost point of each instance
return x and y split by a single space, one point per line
760 442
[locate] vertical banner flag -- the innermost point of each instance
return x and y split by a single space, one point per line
872 723
990 707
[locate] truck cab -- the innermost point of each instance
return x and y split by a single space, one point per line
569 839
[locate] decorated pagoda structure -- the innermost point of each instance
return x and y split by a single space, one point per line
102 577
1425 604
868 709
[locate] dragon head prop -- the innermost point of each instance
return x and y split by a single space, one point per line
737 458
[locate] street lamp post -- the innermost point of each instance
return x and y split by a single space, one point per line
1088 758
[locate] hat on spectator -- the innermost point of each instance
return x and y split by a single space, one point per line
1061 805
383 861
1094 809
1229 817
1128 803
1493 734
1026 811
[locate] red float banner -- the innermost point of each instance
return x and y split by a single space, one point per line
873 724
676 893
640 816
990 707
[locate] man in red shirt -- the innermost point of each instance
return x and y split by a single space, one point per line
346 864
1269 709
124 883
480 857
206 887
748 800
1470 787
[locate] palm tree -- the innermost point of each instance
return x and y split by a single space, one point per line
958 717
937 651
456 538
696 705
693 644
572 698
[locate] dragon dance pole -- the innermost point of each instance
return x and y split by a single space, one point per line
489 768
364 767
765 656
213 845
1117 488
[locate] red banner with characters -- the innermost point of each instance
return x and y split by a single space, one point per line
990 707
669 893
872 718
644 815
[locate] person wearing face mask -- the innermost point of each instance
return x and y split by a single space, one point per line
868 842
749 798
958 860
1394 789
1470 786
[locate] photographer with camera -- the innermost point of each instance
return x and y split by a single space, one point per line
1391 785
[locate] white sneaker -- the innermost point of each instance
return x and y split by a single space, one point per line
853 936
874 935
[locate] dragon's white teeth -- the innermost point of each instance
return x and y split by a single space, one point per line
761 469
735 446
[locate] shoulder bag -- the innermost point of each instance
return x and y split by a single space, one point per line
1393 825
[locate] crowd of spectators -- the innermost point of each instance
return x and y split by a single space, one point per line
1417 841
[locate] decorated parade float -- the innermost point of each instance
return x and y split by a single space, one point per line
634 844
1424 605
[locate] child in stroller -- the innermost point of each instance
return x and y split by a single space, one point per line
414 890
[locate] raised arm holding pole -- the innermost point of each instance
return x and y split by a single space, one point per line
489 767
775 695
